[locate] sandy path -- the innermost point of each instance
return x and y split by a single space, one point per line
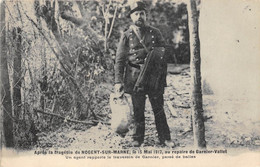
225 127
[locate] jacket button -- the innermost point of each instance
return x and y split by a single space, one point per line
152 41
152 36
137 59
135 54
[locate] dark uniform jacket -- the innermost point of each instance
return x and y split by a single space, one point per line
131 55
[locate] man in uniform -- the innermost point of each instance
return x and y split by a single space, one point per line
131 54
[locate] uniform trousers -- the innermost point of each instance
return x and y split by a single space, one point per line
156 101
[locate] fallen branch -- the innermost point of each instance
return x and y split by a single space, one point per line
186 132
174 72
185 68
186 107
93 122
171 109
179 94
64 118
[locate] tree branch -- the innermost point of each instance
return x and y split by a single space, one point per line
113 21
66 16
62 65
80 22
81 9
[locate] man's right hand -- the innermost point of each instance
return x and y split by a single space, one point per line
119 89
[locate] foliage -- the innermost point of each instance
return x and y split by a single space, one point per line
68 51
171 19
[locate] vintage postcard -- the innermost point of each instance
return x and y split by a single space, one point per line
130 83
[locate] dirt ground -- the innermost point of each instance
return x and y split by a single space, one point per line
225 126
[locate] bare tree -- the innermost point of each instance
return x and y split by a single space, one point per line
196 93
5 87
17 71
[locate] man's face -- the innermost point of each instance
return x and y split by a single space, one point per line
139 18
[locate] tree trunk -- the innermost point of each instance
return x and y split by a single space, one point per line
196 95
5 87
17 72
43 82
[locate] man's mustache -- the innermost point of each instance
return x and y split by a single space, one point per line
141 20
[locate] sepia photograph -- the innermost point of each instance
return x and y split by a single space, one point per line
130 82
